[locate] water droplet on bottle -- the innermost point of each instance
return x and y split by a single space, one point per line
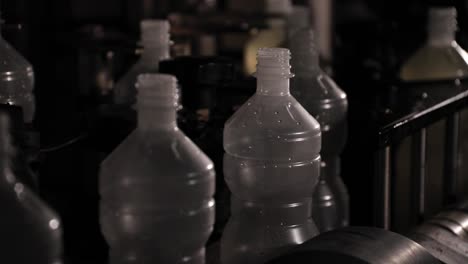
276 112
290 166
279 121
255 112
278 137
289 158
298 123
249 103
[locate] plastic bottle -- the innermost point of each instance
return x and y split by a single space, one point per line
155 40
31 231
440 47
271 166
16 80
324 100
157 186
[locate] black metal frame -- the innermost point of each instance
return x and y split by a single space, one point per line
415 125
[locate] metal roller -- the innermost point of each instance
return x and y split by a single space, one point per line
441 243
358 245
446 235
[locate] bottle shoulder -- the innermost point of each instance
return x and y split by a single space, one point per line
282 114
28 213
152 153
266 124
317 90
452 63
14 67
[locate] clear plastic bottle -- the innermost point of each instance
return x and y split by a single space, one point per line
156 44
271 166
324 100
31 231
157 187
16 80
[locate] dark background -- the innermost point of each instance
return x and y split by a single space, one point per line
56 35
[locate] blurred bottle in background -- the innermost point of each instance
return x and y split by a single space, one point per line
271 166
326 102
440 47
31 231
273 36
157 186
435 72
16 80
21 166
155 41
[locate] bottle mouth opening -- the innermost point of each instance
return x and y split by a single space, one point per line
155 32
273 62
154 25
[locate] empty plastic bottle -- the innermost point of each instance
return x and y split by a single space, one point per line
324 100
155 40
30 231
271 166
16 80
157 186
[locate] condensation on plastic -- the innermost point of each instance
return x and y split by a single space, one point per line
271 166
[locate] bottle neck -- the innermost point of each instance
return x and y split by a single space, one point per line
157 118
441 37
273 71
305 53
330 168
154 54
273 86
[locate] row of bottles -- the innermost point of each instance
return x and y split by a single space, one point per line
282 149
31 230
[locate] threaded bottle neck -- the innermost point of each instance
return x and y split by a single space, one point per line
297 20
305 53
155 38
273 71
442 26
157 101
